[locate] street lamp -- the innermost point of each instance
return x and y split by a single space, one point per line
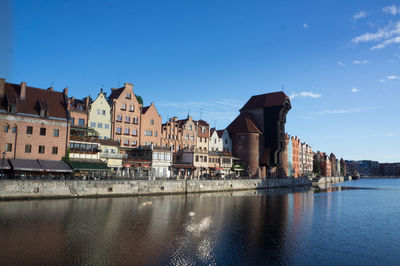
2 165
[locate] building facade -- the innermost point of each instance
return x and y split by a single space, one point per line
99 116
125 116
150 126
33 122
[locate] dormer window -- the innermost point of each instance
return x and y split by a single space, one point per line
43 108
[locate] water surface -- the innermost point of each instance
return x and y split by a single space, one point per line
356 223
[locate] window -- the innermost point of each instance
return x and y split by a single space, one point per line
197 158
134 120
105 150
123 106
42 131
80 107
98 111
112 151
203 130
81 122
107 126
6 128
191 137
226 141
205 158
152 122
100 125
56 132
126 130
131 108
205 140
187 136
190 127
14 130
93 124
201 139
126 142
103 112
28 148
134 143
29 130
8 147
41 148
128 95
72 121
127 119
148 133
118 130
215 141
155 133
54 150
134 132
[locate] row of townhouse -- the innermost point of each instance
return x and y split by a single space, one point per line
325 165
298 159
43 126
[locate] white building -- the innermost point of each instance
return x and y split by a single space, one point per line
161 163
215 143
226 140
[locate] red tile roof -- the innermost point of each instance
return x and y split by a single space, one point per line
266 100
212 131
52 101
244 123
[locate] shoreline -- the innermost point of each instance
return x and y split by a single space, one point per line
61 189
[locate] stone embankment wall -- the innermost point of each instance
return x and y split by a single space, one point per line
17 189
333 179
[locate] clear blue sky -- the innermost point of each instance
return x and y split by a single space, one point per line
338 60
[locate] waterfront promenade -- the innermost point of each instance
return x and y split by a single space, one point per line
31 189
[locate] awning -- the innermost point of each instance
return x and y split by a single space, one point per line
26 165
85 129
4 164
145 165
55 166
183 166
86 166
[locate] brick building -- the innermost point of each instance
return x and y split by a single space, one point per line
33 122
171 135
150 126
125 116
264 116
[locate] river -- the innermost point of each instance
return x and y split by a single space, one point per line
351 223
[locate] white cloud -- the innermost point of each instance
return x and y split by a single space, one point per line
360 62
385 36
345 111
361 14
354 89
305 26
340 63
391 9
304 94
382 80
393 77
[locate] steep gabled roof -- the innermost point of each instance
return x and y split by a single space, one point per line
115 93
144 110
244 123
53 101
212 131
220 133
266 100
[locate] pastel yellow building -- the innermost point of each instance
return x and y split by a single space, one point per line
100 116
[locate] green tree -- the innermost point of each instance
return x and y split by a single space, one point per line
66 157
139 99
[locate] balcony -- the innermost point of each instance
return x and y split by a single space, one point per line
110 155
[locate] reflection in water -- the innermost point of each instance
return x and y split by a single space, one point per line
279 226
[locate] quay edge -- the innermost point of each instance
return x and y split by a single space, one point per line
42 189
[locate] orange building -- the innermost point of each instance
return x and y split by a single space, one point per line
171 135
33 122
125 116
150 126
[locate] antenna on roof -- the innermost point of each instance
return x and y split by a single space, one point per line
201 113
215 124
188 112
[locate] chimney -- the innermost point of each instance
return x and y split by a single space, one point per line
23 91
50 89
87 102
2 87
65 91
